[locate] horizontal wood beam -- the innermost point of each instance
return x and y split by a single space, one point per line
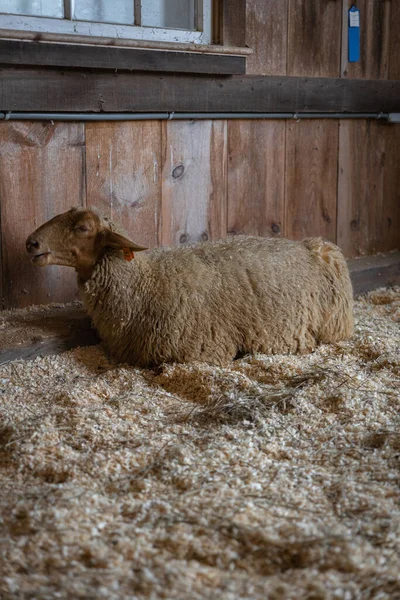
85 91
45 54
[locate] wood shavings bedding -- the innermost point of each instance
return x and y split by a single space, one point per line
274 478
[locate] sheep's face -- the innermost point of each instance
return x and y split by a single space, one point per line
77 238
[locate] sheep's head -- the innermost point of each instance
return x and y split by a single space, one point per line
77 238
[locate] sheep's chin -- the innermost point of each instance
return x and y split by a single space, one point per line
41 260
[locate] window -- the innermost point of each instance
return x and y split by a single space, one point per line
159 20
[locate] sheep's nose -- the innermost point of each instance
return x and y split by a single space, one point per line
32 245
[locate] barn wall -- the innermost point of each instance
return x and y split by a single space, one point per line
341 178
304 38
173 182
184 181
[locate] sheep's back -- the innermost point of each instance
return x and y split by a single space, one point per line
213 300
254 294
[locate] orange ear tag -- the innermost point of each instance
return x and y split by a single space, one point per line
128 254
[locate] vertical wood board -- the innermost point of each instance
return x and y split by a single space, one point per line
266 34
233 21
256 177
374 40
311 179
3 193
41 175
394 41
314 38
391 190
123 162
361 228
193 205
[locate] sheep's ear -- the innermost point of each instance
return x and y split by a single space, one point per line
115 240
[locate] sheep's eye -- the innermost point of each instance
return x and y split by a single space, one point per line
81 229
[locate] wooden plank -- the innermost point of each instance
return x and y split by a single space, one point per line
194 186
344 52
41 174
123 170
361 227
93 40
390 234
51 54
266 34
43 331
74 91
314 38
233 20
256 176
311 179
394 41
2 299
375 33
372 272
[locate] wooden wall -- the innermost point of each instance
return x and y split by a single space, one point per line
309 38
175 182
179 181
341 177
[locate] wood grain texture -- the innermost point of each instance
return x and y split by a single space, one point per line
256 177
394 41
266 34
123 168
361 215
76 91
311 179
314 38
2 298
14 52
41 175
375 35
194 185
233 21
390 236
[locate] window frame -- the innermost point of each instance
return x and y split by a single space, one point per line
203 35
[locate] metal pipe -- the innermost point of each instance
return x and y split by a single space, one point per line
37 116
15 116
288 115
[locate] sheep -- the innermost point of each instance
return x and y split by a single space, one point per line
209 302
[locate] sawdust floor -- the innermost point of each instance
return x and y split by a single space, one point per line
277 477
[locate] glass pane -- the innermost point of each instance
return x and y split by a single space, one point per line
178 14
37 8
104 11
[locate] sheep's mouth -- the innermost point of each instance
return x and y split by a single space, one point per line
41 260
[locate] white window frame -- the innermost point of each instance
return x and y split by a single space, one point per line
66 27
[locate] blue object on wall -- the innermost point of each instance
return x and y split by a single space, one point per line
354 34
